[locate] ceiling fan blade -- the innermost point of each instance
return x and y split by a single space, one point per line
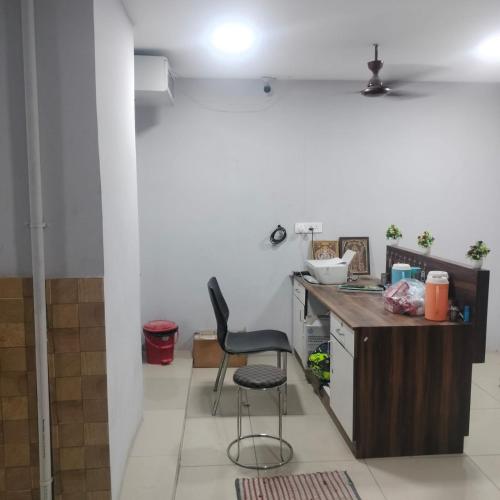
402 74
403 94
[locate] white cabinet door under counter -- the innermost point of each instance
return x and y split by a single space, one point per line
343 333
298 325
342 385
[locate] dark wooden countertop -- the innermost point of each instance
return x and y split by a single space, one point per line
365 310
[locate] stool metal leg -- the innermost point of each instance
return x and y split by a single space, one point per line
238 423
216 385
285 395
281 361
283 444
280 424
221 383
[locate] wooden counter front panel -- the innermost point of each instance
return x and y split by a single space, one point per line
412 390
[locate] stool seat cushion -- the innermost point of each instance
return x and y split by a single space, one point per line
259 376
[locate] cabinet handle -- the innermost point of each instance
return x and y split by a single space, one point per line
337 330
365 339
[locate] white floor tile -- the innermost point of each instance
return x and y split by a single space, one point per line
180 367
480 399
490 367
207 473
493 357
202 397
209 483
159 434
165 393
208 375
149 478
301 401
183 354
484 433
206 440
358 471
487 376
434 478
314 438
301 397
489 465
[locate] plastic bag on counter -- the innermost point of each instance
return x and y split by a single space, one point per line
405 297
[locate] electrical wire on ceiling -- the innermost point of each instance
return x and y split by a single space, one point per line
269 100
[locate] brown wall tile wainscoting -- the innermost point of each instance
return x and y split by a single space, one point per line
78 390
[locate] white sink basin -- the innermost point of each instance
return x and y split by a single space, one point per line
328 271
331 271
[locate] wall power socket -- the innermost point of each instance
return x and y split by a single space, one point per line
303 227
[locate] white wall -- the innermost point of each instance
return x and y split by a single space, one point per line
15 256
114 53
216 176
68 137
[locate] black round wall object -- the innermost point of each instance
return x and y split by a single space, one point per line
278 235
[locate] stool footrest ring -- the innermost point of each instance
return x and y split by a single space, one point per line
286 453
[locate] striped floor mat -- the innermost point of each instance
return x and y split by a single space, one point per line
335 485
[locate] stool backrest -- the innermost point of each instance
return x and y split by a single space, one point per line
220 309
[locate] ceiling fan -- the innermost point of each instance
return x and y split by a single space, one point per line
376 87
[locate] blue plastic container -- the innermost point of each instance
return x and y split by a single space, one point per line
416 272
400 272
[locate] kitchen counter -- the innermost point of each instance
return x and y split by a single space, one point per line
362 310
399 385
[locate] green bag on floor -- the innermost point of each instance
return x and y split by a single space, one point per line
319 362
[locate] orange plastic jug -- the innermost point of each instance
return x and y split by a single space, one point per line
436 296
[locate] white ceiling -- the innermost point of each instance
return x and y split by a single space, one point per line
428 40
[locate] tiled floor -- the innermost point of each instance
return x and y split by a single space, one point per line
180 450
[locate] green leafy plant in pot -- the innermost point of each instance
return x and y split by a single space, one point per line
477 253
425 241
393 234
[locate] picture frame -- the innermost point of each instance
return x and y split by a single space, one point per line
325 249
360 264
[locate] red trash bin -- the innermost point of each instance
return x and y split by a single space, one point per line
160 338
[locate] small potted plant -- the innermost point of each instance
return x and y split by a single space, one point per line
393 234
477 253
425 241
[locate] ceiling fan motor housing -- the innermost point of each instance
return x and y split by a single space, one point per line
375 66
375 85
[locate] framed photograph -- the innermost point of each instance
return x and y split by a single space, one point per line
325 249
360 244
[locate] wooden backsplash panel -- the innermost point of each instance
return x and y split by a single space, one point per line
468 286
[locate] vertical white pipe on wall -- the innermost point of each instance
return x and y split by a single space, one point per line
37 244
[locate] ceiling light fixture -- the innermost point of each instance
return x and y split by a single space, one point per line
233 38
489 50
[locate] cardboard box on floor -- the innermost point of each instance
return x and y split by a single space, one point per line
208 354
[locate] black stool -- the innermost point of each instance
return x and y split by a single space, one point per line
261 378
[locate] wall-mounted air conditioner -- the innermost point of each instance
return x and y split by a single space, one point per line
154 82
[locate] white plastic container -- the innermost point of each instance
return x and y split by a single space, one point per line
317 331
